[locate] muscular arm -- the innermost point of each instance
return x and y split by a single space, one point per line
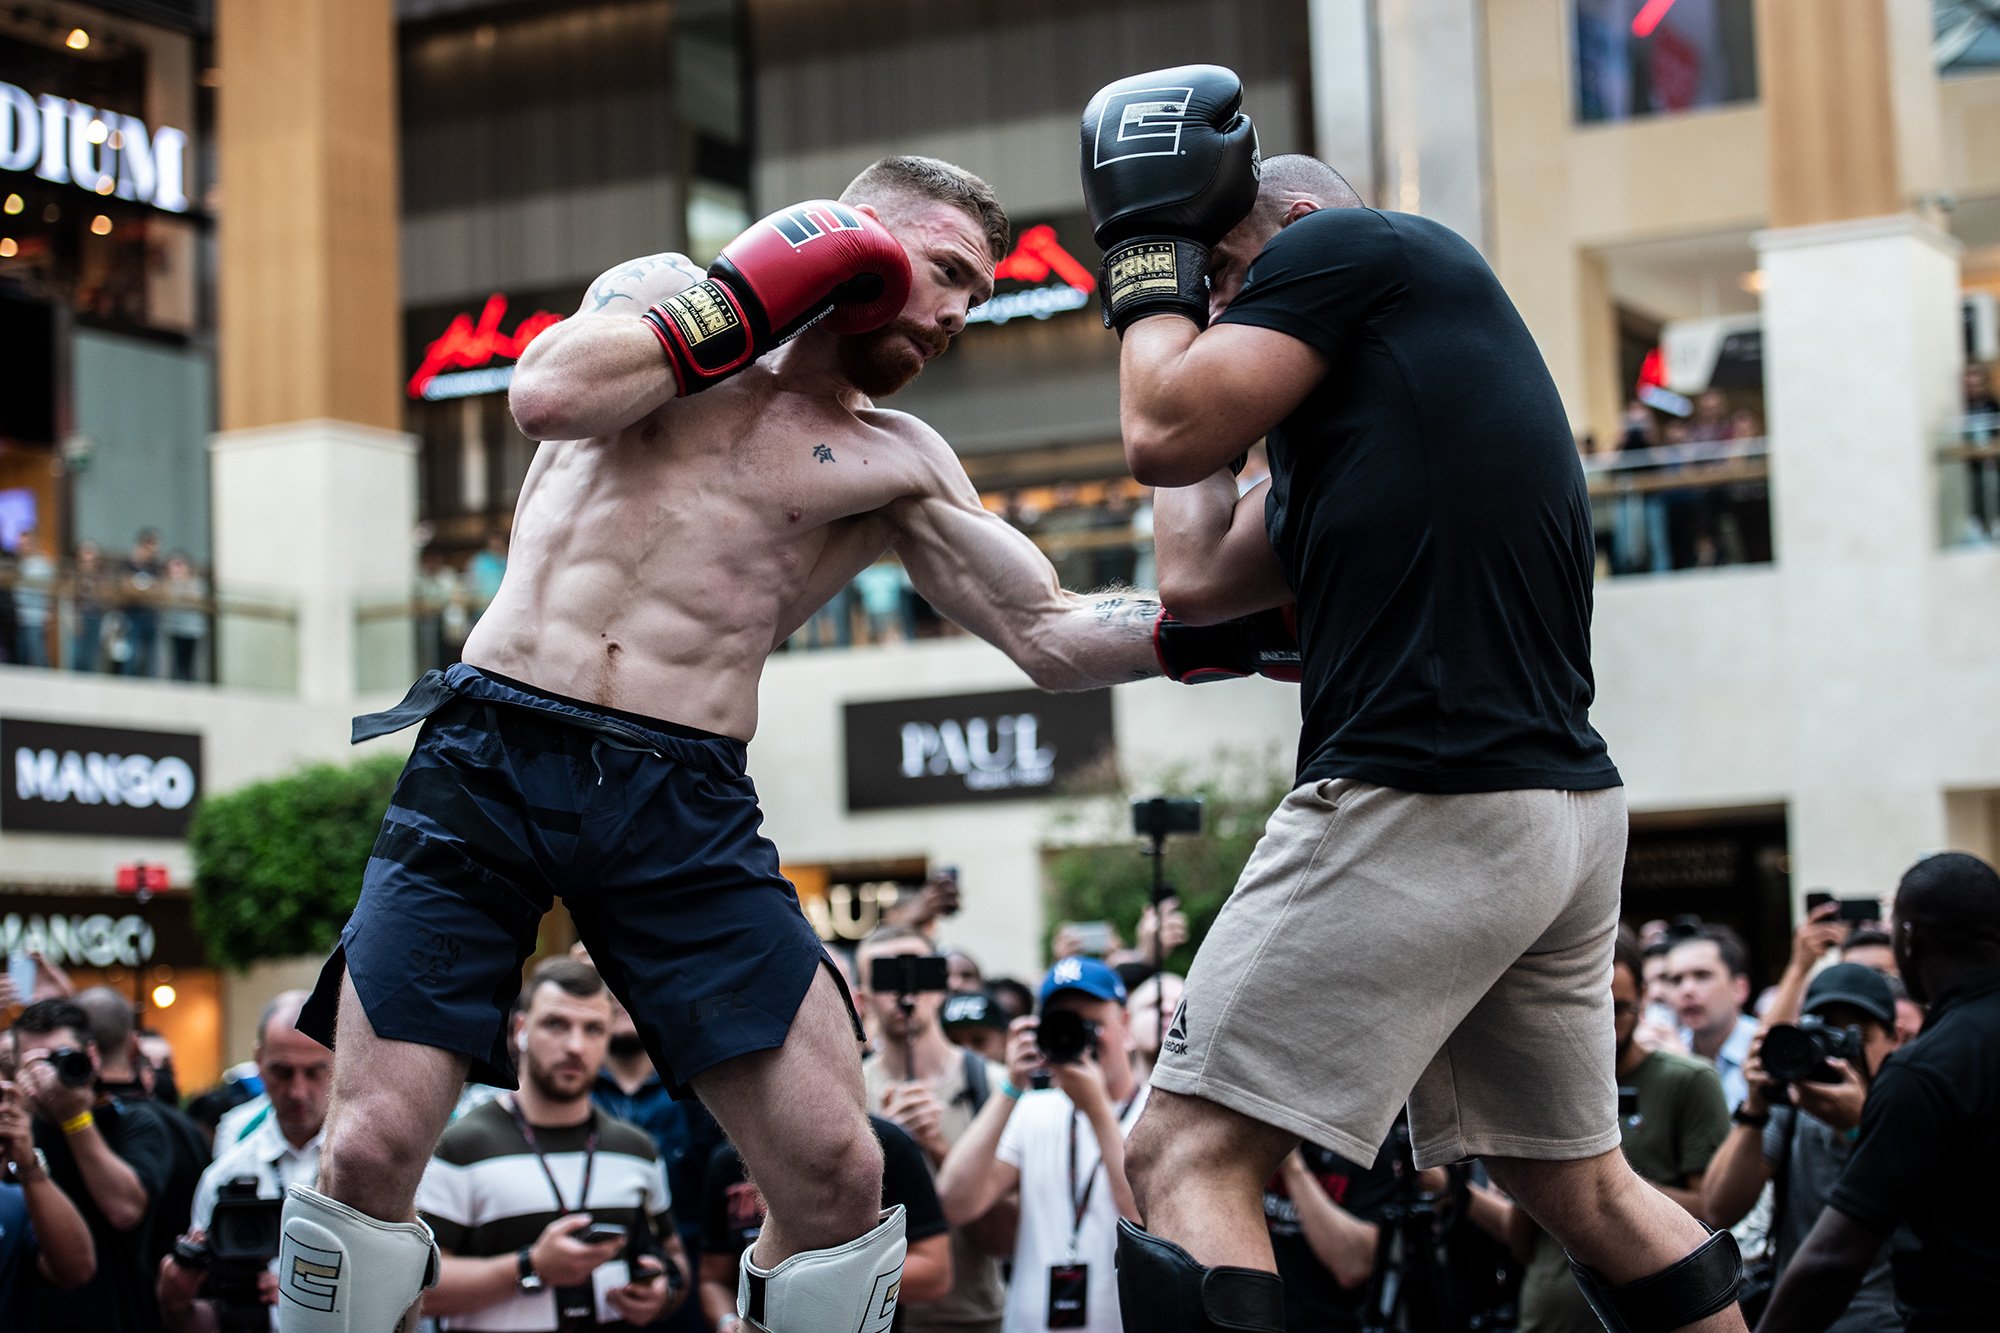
1822 1278
976 569
602 370
1214 553
1189 399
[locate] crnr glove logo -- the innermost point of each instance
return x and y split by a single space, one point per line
1141 122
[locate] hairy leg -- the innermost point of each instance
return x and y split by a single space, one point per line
797 1115
1608 1219
390 1101
1198 1171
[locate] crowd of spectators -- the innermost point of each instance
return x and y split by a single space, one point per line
1671 492
1841 1121
148 613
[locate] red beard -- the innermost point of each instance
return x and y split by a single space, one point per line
882 361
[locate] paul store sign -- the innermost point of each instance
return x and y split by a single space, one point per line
106 152
973 747
104 781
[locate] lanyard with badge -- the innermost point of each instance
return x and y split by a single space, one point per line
576 1307
1069 1281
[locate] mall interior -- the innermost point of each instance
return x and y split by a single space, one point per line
264 272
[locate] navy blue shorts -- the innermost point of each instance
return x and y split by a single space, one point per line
647 831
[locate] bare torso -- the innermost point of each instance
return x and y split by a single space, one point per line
654 570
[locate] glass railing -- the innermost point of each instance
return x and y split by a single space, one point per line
114 622
1681 506
1969 482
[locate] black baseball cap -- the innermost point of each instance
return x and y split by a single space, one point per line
1853 984
974 1009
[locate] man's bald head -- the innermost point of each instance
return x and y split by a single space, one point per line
110 1026
1290 177
283 1011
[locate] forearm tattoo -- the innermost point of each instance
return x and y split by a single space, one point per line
617 285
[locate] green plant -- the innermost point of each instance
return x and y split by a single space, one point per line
1098 879
277 864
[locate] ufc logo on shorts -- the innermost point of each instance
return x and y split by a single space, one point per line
1145 122
809 224
311 1277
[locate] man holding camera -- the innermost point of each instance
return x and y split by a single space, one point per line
550 1214
934 1090
1062 1147
111 1162
42 1235
1797 1124
236 1277
1929 1140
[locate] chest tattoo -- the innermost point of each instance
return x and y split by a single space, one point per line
823 453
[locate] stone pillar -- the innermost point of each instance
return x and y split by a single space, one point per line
1860 365
314 482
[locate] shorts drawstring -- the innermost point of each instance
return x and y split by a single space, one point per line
616 743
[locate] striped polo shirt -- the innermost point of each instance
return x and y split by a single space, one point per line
485 1194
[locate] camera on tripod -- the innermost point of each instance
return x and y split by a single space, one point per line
242 1239
1803 1053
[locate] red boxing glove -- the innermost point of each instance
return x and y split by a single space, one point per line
1266 644
816 260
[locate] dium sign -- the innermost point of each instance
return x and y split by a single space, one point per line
67 142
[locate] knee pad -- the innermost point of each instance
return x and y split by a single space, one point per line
1695 1286
342 1271
1161 1289
851 1288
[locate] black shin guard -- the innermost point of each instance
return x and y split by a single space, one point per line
1161 1289
1695 1286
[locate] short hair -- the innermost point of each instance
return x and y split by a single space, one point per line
566 975
110 1017
284 999
889 935
1625 953
912 177
1956 897
1869 939
1296 174
1728 944
45 1016
1659 948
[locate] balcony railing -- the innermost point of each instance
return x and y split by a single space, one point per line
1681 506
1969 482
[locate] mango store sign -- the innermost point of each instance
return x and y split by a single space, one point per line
101 781
106 152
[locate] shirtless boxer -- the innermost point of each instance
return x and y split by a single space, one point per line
1429 914
708 485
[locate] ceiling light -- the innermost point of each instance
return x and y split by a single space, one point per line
15 204
101 225
9 247
77 40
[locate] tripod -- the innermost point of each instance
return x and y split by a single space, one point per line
1411 1288
1157 849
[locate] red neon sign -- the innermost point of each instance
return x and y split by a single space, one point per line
1649 16
466 345
1037 254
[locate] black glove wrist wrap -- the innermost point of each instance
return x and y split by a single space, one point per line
1154 275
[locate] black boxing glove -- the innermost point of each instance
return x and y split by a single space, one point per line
812 261
1169 166
1265 644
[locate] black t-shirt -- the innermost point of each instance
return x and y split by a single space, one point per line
1929 1157
119 1298
1313 1300
1429 510
732 1210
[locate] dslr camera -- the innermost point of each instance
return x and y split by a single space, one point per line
72 1066
1801 1053
1065 1036
242 1239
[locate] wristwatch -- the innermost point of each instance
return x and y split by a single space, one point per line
525 1276
1743 1115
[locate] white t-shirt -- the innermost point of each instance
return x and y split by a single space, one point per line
1036 1143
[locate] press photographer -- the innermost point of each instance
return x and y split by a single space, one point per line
1926 1157
933 1090
1807 1085
42 1236
222 1277
111 1163
1062 1146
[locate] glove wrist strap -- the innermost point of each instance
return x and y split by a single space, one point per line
705 334
1154 275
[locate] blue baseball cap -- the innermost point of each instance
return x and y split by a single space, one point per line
1088 975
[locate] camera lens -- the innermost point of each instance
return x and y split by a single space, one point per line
72 1067
1790 1054
1064 1036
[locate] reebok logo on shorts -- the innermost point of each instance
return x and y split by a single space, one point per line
1176 1040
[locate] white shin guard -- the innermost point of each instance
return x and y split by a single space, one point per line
849 1289
341 1271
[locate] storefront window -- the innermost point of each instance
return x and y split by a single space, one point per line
1638 58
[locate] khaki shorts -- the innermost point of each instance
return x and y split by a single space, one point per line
1451 951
